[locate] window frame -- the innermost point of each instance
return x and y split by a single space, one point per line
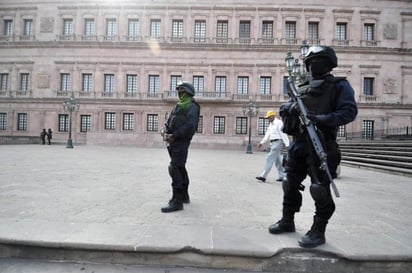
65 82
85 123
154 84
22 121
155 28
245 31
133 28
87 82
132 83
109 83
24 82
128 122
241 125
68 27
4 82
8 27
3 121
222 31
265 87
110 121
368 87
242 86
199 31
263 124
219 125
152 123
63 121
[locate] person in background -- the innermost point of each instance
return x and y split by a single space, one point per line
277 139
49 136
43 136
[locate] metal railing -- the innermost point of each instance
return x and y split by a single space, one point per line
390 133
165 95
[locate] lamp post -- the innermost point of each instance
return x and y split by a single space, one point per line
72 105
293 66
250 109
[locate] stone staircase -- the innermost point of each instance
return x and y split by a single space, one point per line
391 156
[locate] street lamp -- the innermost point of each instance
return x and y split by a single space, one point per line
293 66
250 109
72 105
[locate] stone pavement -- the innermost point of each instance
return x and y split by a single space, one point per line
102 204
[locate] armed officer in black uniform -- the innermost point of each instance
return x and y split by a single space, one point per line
330 103
179 129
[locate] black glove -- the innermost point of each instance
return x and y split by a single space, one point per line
318 119
294 109
289 109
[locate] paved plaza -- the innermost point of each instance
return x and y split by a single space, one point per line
99 198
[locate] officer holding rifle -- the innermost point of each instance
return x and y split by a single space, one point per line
330 103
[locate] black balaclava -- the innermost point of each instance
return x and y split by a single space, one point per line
319 68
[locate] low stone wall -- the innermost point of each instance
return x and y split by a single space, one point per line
20 140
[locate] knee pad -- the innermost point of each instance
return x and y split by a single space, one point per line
319 192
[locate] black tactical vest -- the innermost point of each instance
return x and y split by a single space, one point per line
178 117
321 100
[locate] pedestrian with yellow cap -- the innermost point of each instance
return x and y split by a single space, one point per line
275 136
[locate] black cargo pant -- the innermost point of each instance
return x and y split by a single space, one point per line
300 163
178 151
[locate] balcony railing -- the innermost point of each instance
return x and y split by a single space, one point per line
133 38
372 43
289 41
266 41
368 98
71 37
16 93
222 40
165 95
26 38
91 38
8 38
339 42
111 38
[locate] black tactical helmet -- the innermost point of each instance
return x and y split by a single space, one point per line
187 86
321 51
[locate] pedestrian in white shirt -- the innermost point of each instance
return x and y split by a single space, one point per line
277 139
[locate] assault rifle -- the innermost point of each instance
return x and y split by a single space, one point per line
312 132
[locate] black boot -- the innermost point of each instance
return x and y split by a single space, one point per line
316 235
185 196
175 203
286 224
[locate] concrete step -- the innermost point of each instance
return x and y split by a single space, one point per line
385 157
376 151
406 143
379 162
382 168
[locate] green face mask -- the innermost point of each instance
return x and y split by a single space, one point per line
181 95
184 100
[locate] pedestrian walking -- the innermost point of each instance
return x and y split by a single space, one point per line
277 139
179 129
330 103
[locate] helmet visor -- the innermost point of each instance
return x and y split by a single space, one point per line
314 50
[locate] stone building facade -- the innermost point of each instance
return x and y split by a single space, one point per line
121 60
